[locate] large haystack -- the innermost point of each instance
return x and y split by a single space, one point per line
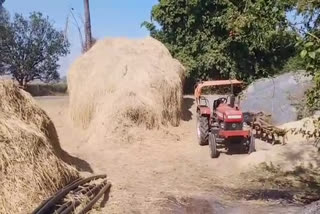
122 83
30 167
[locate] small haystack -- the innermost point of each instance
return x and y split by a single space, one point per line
299 150
122 83
30 167
300 131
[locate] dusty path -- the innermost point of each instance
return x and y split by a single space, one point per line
163 171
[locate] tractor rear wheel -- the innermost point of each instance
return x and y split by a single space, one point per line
252 145
203 130
213 146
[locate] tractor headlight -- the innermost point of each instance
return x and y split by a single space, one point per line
222 125
234 117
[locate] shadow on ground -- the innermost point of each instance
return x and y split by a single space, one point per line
80 164
188 205
304 182
207 204
250 193
283 196
186 108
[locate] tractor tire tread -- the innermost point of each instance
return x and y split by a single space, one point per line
204 130
214 153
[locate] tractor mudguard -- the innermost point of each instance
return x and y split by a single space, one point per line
204 110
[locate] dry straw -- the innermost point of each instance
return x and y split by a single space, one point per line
30 167
122 83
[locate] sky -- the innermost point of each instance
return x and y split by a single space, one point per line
110 18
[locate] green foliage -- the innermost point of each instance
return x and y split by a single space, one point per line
309 9
294 64
310 52
31 48
310 47
225 38
4 23
50 89
313 95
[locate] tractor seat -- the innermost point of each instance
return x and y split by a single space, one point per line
216 104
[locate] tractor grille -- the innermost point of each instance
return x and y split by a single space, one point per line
233 126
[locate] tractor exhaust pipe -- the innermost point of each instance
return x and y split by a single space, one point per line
232 101
232 97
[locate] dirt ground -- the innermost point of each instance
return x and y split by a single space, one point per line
165 171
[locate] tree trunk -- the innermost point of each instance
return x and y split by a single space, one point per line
25 82
88 33
20 81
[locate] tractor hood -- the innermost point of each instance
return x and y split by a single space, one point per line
229 114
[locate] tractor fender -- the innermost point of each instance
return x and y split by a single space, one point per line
204 110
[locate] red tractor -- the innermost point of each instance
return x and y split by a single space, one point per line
222 125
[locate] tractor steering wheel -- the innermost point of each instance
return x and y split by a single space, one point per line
219 101
223 100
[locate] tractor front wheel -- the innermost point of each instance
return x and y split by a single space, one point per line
213 146
203 130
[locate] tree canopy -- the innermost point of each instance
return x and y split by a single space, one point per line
309 45
226 38
30 48
4 32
